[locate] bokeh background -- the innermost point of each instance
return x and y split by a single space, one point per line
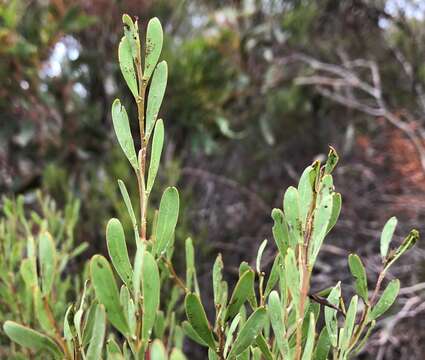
257 90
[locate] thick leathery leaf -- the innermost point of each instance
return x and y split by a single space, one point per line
155 96
94 351
32 339
107 292
129 206
177 354
331 161
305 191
309 344
249 332
157 144
123 132
192 334
358 271
29 273
274 275
331 314
336 210
198 319
125 59
280 231
242 291
278 325
150 292
323 346
117 249
154 40
260 255
387 235
291 207
386 300
262 344
167 219
350 320
292 275
47 259
190 264
229 335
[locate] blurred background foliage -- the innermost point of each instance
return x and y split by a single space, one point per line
257 90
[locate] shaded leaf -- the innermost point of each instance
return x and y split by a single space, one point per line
94 351
358 271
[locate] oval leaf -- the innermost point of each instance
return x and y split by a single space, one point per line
386 300
125 59
242 291
157 144
154 40
150 292
358 271
387 235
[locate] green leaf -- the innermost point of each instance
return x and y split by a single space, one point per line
332 160
150 292
107 292
94 351
305 191
386 300
323 346
387 235
293 276
280 231
190 264
29 273
131 32
309 344
242 291
350 320
274 275
127 66
154 40
291 206
358 271
117 249
155 96
113 350
198 319
230 332
157 144
249 332
41 312
32 339
129 206
177 354
167 219
406 245
123 132
48 259
336 210
331 315
217 278
192 334
262 344
278 325
158 351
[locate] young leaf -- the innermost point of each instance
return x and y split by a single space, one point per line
150 292
242 291
309 344
359 273
280 231
198 319
305 190
157 144
117 249
406 245
154 39
123 132
332 160
94 351
260 255
278 325
47 258
167 219
217 278
274 275
158 351
156 94
331 315
125 59
32 339
249 332
113 350
229 335
386 300
107 293
336 210
387 235
190 263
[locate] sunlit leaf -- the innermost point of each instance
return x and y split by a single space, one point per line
387 235
154 40
94 351
386 300
358 271
157 144
155 96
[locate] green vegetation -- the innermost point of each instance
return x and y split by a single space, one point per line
123 312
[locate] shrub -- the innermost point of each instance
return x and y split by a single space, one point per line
269 316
